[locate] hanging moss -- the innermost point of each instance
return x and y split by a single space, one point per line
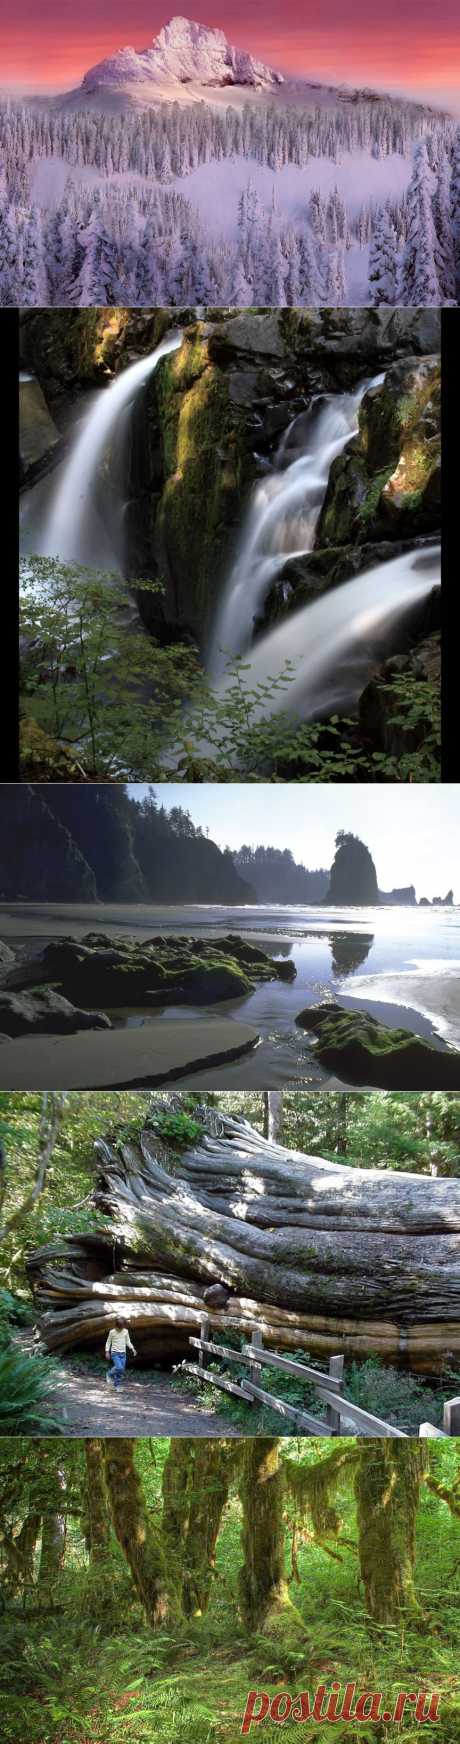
313 1489
139 1539
387 1491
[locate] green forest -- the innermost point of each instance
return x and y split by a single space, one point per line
49 1167
187 1591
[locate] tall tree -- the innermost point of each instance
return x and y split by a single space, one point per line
263 1588
139 1537
388 1484
96 1508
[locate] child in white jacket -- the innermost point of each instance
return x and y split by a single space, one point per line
117 1347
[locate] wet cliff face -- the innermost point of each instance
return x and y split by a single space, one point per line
210 421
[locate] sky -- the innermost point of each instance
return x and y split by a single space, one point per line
408 46
413 833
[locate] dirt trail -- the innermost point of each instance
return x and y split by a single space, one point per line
146 1403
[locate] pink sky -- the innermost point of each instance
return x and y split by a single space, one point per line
408 45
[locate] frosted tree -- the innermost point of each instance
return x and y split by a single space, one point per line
455 212
33 276
276 273
383 260
419 283
335 286
444 243
309 273
241 286
10 261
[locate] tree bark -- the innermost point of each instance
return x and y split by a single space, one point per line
263 1588
96 1508
301 1243
388 1484
196 1482
53 1543
139 1538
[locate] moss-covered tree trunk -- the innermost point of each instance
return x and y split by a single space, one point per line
139 1539
214 1463
196 1481
263 1588
95 1501
19 1553
387 1489
52 1552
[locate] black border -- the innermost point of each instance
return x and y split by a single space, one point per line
9 686
450 523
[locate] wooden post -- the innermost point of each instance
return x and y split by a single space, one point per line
451 1418
336 1373
204 1333
257 1346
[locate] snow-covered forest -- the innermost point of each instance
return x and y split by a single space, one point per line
266 206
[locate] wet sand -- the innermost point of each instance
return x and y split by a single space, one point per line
154 1054
432 991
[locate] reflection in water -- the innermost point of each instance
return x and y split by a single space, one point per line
349 950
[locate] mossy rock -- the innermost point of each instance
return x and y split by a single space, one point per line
161 971
203 452
386 482
363 1051
42 758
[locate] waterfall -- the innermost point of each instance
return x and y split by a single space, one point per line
72 531
327 648
282 517
331 645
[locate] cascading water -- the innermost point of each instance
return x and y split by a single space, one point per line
327 648
282 517
72 530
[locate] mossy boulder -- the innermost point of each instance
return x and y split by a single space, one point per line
157 971
386 483
361 1050
196 515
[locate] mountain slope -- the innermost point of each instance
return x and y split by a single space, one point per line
183 54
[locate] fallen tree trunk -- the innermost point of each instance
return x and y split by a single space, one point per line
318 1254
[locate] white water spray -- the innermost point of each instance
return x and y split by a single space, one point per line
330 647
282 517
69 532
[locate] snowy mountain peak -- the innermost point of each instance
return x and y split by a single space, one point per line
184 52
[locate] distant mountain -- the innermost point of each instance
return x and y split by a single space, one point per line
184 54
276 876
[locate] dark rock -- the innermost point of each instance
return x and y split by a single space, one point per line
353 879
362 1051
379 711
159 971
405 897
44 1012
217 1296
6 954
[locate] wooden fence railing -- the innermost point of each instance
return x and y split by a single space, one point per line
338 1410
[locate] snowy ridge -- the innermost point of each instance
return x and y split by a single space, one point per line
183 53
